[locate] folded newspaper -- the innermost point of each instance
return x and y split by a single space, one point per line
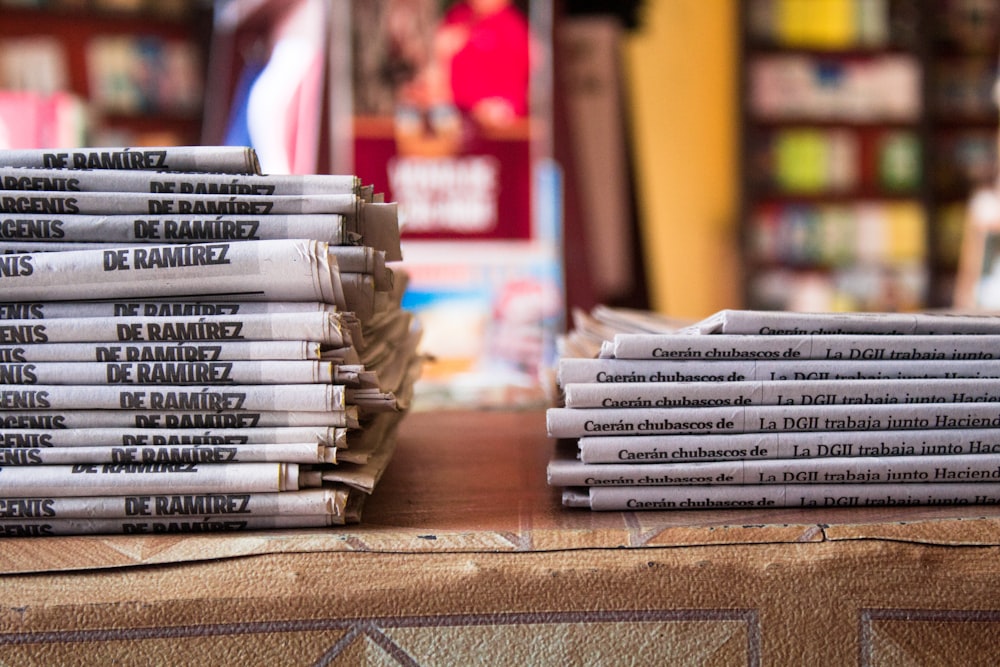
188 345
757 409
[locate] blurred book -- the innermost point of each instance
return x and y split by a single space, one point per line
588 51
821 24
35 63
136 74
35 120
885 87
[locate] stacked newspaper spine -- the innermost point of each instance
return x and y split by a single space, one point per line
775 409
189 345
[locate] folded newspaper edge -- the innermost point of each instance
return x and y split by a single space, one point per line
175 182
170 419
158 526
169 351
749 497
25 232
312 453
114 479
765 322
221 159
28 438
279 270
220 399
323 501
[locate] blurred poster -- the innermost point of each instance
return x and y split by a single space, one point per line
451 119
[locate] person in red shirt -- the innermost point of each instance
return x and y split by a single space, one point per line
483 48
477 76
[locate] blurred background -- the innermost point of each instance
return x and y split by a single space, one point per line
675 155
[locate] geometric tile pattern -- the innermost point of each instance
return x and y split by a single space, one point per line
676 637
929 637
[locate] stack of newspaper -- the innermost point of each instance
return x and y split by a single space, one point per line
753 409
189 345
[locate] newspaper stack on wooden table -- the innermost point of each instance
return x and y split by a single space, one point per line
188 345
751 409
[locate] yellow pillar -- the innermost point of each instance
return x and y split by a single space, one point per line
681 74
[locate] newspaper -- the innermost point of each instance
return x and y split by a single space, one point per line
166 182
359 294
378 224
372 400
579 422
351 323
27 232
787 445
285 270
361 259
286 452
831 347
341 355
222 159
762 322
614 371
117 479
780 495
355 376
184 372
167 419
324 501
156 526
565 471
395 370
601 323
54 310
390 361
185 398
322 327
189 351
364 443
349 258
365 477
777 392
163 437
392 323
147 203
404 393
